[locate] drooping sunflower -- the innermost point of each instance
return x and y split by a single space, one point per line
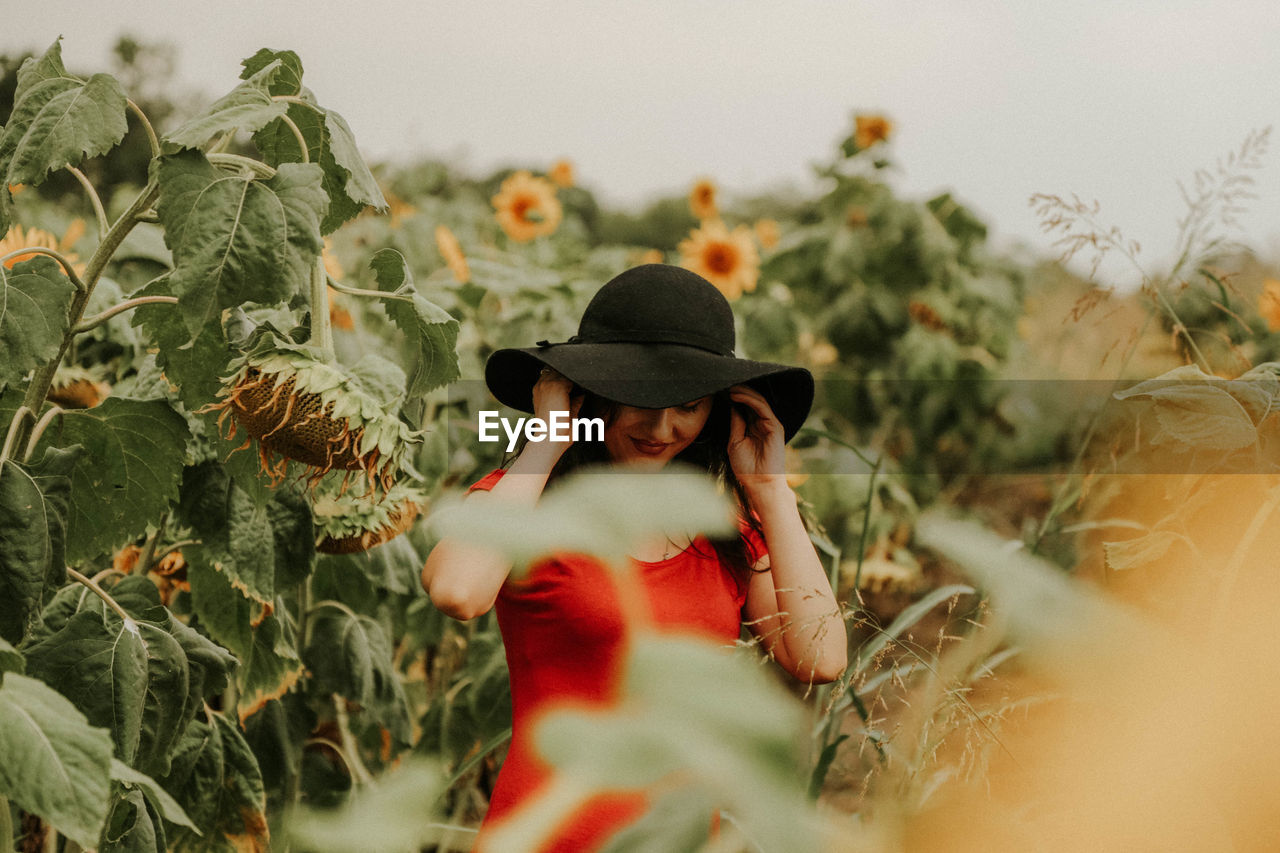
302 407
451 251
347 523
527 207
16 238
561 174
702 200
870 129
1269 304
727 259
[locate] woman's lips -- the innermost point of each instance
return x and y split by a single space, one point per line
649 448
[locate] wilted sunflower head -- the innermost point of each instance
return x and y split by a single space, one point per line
702 200
348 522
526 207
451 251
301 407
727 259
870 129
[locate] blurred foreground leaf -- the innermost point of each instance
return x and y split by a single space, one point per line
393 814
601 513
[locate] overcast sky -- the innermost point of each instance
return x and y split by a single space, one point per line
1113 100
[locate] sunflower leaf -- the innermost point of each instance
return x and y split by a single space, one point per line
33 523
35 300
218 783
57 120
348 182
237 239
429 329
129 476
248 106
195 369
52 762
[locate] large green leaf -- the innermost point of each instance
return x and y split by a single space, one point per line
235 531
288 81
52 762
103 670
11 659
246 107
166 805
33 522
35 297
129 476
133 825
216 779
397 812
57 120
235 238
350 654
264 641
603 516
428 328
329 142
195 367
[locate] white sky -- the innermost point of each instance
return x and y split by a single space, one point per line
1114 100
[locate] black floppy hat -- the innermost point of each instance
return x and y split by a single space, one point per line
653 336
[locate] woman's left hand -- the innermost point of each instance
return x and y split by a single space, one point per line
756 440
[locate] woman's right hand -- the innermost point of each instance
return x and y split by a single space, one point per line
555 393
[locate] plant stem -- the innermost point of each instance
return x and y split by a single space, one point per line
355 291
38 390
38 430
321 331
149 556
100 592
10 437
6 824
146 125
93 199
361 775
90 323
62 261
256 166
297 132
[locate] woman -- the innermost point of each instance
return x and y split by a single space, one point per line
653 358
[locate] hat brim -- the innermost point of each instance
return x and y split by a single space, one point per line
649 376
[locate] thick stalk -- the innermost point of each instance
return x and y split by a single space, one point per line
321 331
6 824
38 390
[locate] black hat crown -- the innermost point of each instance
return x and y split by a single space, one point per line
657 303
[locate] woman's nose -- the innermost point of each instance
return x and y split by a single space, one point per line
662 424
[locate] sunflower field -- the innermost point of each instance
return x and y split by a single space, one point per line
240 377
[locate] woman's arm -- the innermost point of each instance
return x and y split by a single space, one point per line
790 607
462 579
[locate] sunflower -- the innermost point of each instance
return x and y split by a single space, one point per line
727 259
870 129
767 233
702 200
14 189
17 238
561 174
1269 304
527 207
451 251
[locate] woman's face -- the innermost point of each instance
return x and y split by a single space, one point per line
650 438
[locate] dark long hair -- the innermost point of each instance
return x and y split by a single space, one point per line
709 452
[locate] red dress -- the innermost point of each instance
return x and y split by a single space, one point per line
563 630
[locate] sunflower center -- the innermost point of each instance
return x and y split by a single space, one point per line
521 208
721 258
